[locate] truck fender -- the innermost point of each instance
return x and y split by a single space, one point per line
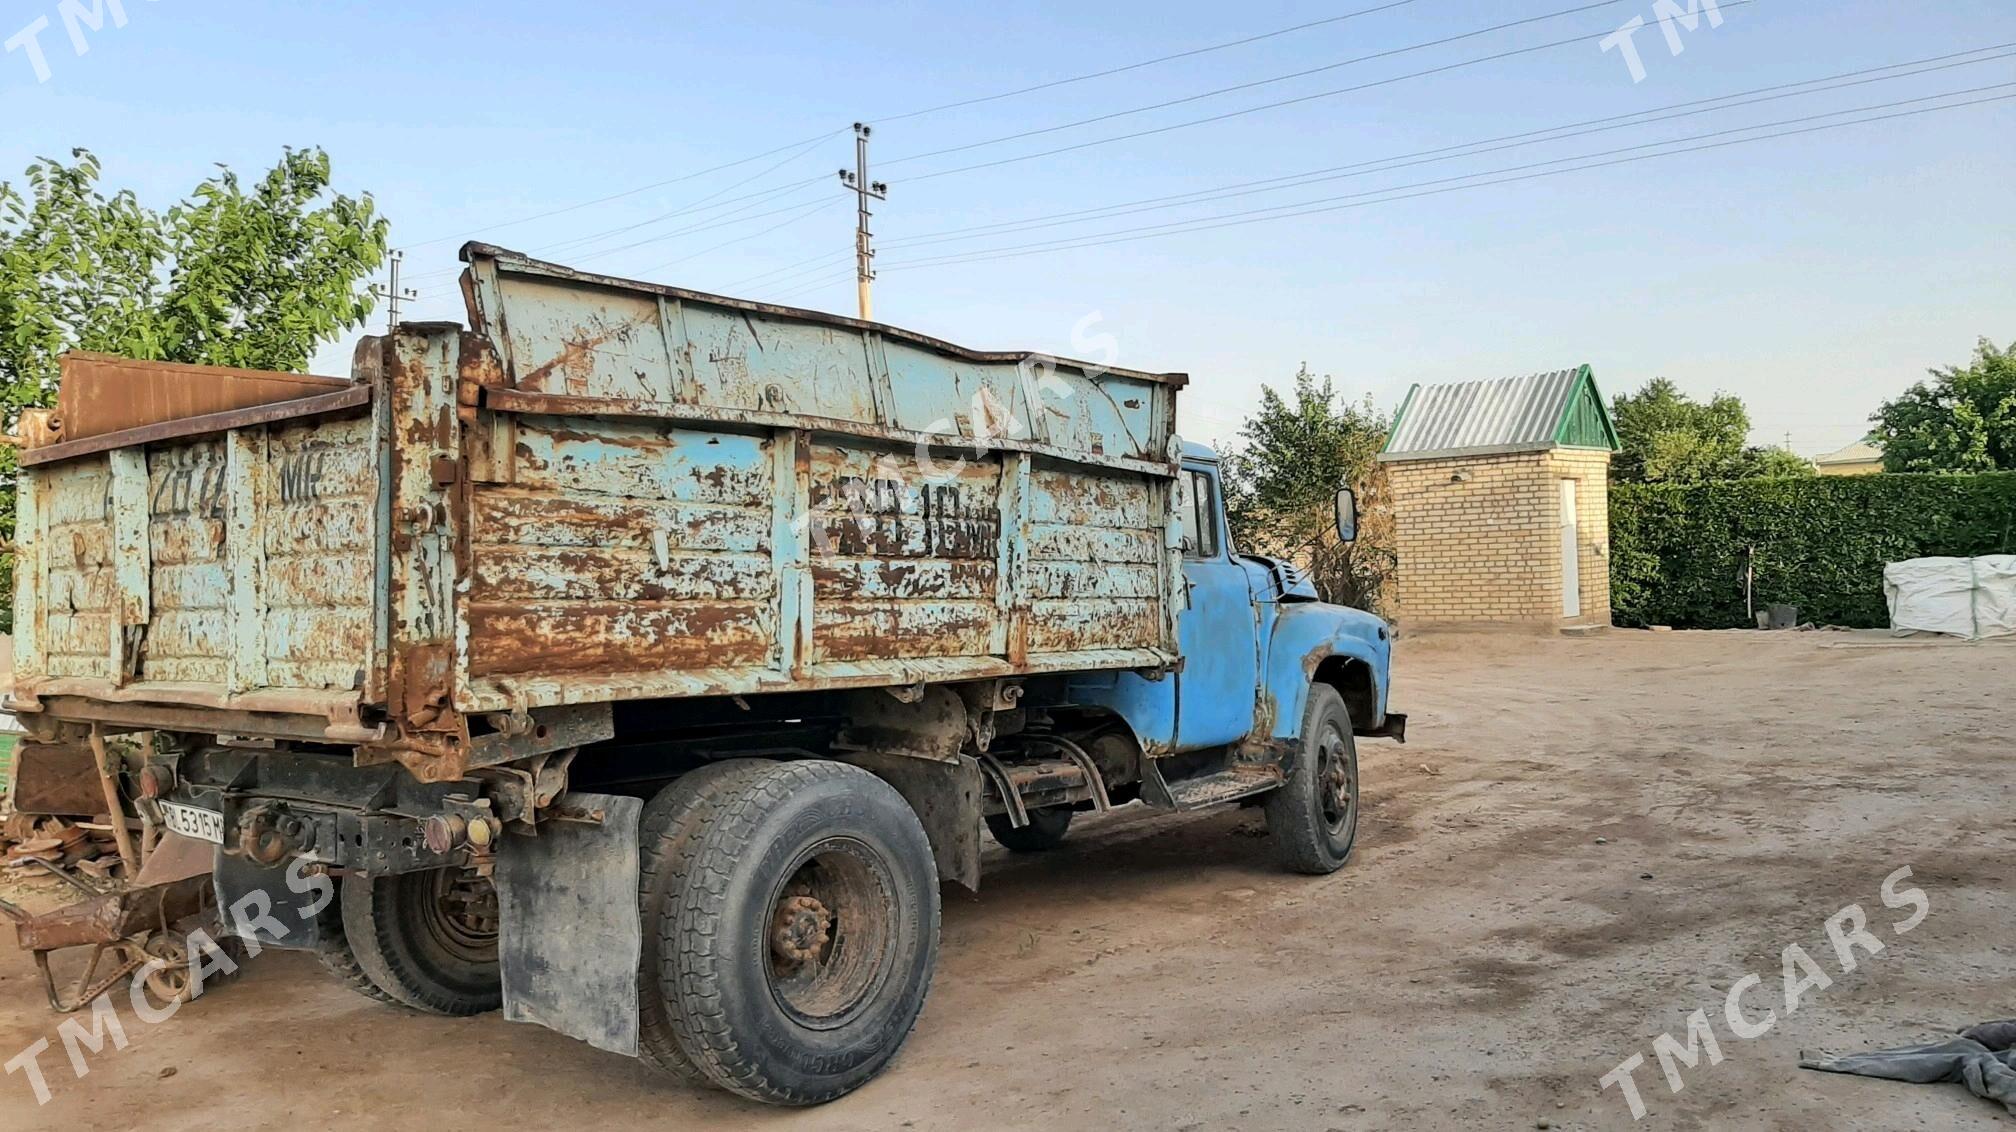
1310 646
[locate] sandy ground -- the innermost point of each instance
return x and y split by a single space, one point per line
1586 840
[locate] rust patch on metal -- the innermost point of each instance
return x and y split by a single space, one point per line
510 639
103 394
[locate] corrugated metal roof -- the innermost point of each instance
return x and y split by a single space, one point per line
1509 414
1860 452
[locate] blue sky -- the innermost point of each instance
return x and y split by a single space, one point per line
1813 275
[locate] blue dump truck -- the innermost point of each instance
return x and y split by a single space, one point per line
638 662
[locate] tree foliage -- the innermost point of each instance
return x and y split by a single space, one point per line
1963 420
1668 437
1282 481
251 275
254 275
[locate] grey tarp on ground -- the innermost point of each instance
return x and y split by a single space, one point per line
1982 1058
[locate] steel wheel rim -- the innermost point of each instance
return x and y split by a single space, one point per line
462 915
829 941
1336 782
170 983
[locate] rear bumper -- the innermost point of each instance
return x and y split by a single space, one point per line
316 717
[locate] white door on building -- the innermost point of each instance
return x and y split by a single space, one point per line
1571 557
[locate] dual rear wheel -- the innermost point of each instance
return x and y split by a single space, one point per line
422 940
791 924
790 930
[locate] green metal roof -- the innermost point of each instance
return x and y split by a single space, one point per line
1561 409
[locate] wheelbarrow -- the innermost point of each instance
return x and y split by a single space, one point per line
126 929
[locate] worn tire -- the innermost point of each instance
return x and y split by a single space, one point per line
803 943
1044 832
399 939
333 952
666 841
1313 817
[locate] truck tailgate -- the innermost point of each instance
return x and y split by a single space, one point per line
225 560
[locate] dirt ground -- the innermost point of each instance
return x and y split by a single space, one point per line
1586 840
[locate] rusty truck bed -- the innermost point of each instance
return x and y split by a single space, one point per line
602 490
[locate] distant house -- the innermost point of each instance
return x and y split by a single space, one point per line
1858 459
1501 501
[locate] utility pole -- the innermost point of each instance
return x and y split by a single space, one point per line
856 180
391 293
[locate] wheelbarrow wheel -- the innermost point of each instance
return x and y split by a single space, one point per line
174 982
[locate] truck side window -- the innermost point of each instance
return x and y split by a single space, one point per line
1199 516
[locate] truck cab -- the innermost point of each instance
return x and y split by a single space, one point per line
1265 665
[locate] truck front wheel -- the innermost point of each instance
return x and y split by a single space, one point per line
426 940
797 930
1313 817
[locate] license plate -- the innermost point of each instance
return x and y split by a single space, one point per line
193 821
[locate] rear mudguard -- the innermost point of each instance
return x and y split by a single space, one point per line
572 930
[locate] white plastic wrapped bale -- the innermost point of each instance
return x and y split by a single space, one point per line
1961 597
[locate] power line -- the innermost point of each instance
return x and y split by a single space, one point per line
788 270
1283 212
828 280
725 220
1734 100
548 214
1726 4
709 226
822 263
703 204
806 143
1387 54
1051 85
631 192
700 204
804 212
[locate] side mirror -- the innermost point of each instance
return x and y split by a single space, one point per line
1347 514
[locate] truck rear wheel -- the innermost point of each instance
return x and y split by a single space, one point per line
427 940
1045 830
667 841
1314 816
333 950
799 932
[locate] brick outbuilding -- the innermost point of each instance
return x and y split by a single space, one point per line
1501 503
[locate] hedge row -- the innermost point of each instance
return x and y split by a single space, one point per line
1678 553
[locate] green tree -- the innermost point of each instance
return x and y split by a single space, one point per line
1282 483
1666 436
1963 420
251 275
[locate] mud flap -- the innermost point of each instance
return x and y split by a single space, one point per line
268 908
572 936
